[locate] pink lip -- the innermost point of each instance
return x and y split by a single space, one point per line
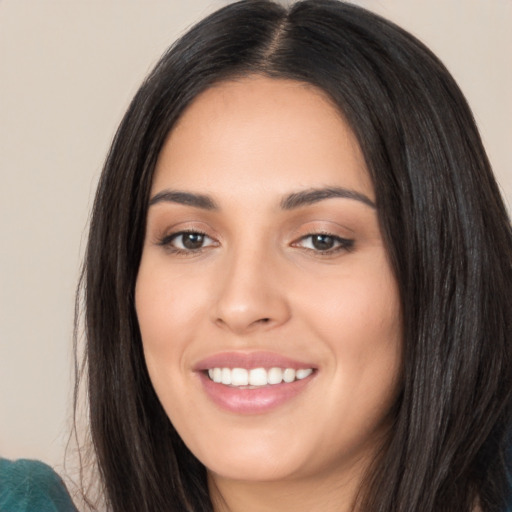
249 360
251 401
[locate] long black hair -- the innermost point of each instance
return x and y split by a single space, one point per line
442 218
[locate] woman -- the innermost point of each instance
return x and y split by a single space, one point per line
298 276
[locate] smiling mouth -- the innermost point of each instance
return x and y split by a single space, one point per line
255 378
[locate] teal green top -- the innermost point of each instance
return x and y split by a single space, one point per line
32 486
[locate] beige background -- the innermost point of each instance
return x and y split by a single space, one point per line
67 72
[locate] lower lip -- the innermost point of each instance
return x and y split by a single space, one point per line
253 401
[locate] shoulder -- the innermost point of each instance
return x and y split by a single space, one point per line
28 485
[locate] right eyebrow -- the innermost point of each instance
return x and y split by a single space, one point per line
187 198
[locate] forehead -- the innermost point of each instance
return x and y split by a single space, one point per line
262 129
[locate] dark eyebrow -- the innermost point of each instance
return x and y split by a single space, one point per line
314 195
186 198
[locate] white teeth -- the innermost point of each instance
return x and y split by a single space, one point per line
239 376
303 373
226 376
257 377
289 375
275 376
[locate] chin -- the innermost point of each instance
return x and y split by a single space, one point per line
256 456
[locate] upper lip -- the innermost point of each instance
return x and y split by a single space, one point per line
250 360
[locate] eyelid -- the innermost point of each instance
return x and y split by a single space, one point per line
169 236
166 241
164 228
341 243
342 233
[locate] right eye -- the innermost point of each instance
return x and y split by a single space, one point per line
187 241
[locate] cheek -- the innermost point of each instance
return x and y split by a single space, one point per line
167 305
358 310
166 312
359 320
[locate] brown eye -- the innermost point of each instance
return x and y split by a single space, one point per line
192 240
187 241
322 242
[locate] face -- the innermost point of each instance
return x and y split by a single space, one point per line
268 310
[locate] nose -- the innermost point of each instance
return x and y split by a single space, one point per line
251 293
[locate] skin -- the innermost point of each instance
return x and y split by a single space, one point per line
260 283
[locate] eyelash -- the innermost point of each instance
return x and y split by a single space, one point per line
341 244
168 240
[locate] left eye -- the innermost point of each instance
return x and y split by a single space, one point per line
189 241
321 242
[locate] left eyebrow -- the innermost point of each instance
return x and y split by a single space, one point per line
314 195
